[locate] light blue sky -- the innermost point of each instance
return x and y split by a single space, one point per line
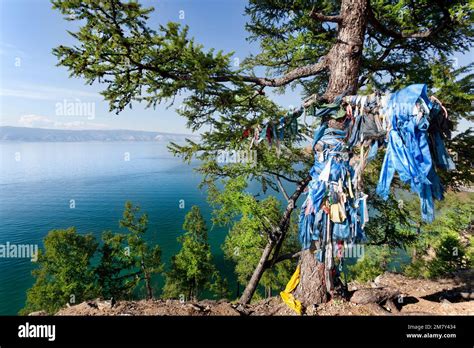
31 86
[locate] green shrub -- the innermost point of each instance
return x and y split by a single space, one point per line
374 262
450 255
440 249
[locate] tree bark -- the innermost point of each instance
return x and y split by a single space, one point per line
149 289
257 274
146 275
263 263
344 60
312 287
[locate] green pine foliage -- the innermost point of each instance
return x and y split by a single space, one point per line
146 258
192 269
74 267
405 42
439 249
115 278
247 237
446 245
375 261
64 274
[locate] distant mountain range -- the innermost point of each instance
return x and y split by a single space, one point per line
27 134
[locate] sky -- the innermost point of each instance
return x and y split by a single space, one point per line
34 92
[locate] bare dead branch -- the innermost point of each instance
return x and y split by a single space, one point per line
282 176
283 257
282 189
325 18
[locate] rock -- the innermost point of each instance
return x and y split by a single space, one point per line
312 310
386 300
242 309
391 306
200 308
104 305
37 314
377 295
376 309
467 295
92 304
378 279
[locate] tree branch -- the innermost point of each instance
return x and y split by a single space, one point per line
300 72
282 189
424 34
297 73
283 257
285 221
281 176
311 100
324 18
111 18
376 65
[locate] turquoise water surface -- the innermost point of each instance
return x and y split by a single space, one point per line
39 180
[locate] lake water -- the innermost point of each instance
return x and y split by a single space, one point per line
39 180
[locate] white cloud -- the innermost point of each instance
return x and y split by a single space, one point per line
39 121
35 121
41 92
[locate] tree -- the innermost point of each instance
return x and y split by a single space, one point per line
64 274
147 259
192 269
115 276
446 244
74 268
374 262
323 47
220 287
245 241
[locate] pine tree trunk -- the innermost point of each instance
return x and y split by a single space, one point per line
345 56
257 274
344 65
312 288
149 289
147 277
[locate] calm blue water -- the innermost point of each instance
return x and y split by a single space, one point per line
35 194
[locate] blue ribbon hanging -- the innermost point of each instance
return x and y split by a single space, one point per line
408 154
408 150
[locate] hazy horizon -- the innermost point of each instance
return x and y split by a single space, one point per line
101 130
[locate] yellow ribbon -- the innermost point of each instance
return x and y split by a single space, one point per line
287 296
